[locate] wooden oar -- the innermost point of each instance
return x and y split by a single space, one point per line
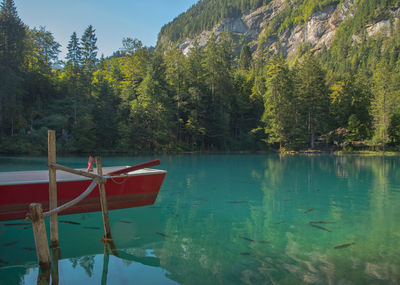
135 167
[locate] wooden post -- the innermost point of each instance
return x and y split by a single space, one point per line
51 141
56 256
73 171
44 277
39 233
113 248
106 260
103 201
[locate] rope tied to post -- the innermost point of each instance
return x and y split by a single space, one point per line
70 203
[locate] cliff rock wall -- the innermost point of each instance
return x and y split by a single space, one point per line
318 31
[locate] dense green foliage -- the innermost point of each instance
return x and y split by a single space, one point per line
353 50
143 99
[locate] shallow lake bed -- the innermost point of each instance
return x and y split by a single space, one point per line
232 219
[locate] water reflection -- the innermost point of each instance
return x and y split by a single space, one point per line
113 266
243 219
106 260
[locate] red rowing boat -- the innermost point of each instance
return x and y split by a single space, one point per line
125 187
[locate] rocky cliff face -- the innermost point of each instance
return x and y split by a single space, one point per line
249 26
318 31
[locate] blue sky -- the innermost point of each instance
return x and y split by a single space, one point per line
113 20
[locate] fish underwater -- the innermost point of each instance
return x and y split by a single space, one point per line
29 248
248 239
70 222
309 210
321 228
17 224
10 243
344 245
263 241
91 228
252 240
163 235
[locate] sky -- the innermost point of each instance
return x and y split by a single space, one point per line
112 20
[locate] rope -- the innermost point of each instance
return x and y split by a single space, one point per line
120 183
75 201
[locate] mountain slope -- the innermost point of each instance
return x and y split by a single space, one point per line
204 16
282 27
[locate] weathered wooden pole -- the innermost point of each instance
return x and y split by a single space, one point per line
44 277
56 256
103 202
51 142
39 233
106 260
113 248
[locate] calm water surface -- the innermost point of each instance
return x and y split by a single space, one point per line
232 219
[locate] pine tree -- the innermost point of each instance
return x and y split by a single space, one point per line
211 65
385 102
197 103
217 63
46 48
72 70
176 78
258 71
88 66
12 35
151 110
105 114
41 55
243 114
245 58
312 97
279 114
12 47
74 55
89 50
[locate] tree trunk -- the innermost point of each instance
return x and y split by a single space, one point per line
312 139
311 129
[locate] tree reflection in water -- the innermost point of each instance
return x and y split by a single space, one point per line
246 219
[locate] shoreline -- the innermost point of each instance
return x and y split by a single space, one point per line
200 152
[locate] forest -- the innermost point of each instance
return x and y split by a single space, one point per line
145 99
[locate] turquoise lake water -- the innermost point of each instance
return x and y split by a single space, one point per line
231 219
